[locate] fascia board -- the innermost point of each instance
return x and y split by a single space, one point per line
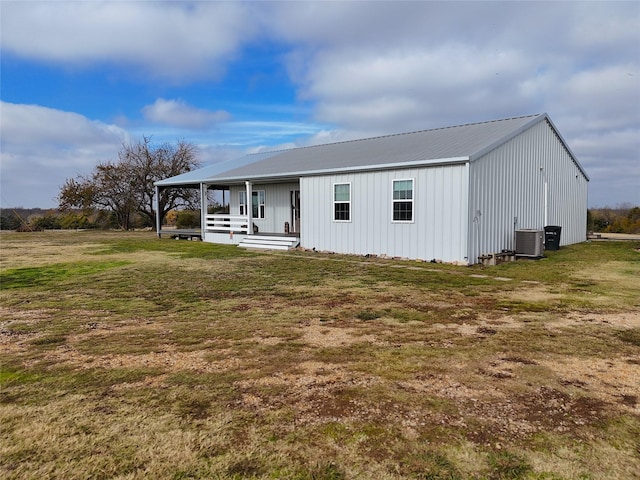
358 169
566 146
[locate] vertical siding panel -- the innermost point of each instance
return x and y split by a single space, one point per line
381 235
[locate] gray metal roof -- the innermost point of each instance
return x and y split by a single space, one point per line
205 174
441 145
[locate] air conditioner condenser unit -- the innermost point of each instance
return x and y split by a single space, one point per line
529 243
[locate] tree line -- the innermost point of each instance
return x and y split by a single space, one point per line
622 219
38 219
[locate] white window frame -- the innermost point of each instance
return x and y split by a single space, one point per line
260 210
242 203
335 202
403 200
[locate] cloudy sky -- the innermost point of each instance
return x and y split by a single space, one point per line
80 78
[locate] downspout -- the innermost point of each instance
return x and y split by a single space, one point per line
249 207
545 193
546 202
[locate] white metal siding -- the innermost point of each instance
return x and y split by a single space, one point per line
277 205
437 232
507 192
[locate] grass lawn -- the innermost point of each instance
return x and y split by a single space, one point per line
124 356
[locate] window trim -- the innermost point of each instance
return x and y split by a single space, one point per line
403 200
335 202
242 203
260 206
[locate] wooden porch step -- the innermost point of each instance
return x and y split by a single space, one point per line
267 242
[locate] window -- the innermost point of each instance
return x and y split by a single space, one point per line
342 202
257 203
403 200
242 200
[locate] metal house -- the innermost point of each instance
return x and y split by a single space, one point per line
452 194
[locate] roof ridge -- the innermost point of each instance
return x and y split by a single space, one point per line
394 134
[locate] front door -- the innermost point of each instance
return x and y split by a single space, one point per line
295 211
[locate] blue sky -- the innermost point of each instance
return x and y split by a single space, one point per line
80 78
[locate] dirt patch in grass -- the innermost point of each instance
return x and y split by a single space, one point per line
617 320
321 334
484 325
615 381
166 359
533 293
316 391
19 327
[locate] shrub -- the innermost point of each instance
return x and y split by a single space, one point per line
75 220
46 222
188 219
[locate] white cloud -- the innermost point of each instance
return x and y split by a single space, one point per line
42 147
180 114
413 89
177 41
607 97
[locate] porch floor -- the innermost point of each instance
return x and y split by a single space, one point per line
182 233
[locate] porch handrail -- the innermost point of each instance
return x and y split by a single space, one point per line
222 222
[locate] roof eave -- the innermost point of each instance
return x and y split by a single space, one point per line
566 146
330 171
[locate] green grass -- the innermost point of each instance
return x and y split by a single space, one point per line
52 275
144 358
631 336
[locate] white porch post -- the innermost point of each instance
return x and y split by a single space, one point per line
203 209
249 187
157 206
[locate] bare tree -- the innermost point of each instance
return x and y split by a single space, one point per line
152 163
127 186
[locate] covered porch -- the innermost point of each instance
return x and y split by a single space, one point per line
247 214
257 215
234 230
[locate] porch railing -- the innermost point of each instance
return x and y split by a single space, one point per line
222 222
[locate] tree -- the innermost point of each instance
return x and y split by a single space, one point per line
127 186
110 187
10 220
150 164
